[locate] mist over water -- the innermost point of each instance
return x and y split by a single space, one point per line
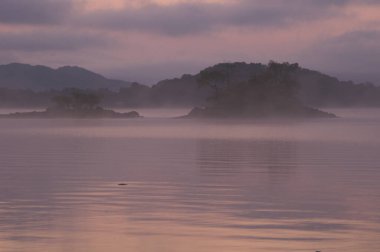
191 185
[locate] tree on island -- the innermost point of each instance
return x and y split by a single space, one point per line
79 104
220 76
271 92
77 100
214 79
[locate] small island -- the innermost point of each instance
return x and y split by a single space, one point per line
270 93
76 104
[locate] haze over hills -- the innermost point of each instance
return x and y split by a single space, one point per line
314 88
24 76
26 85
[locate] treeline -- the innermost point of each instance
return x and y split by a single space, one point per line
317 89
136 95
313 89
271 92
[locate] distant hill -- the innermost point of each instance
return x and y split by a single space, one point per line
182 91
24 76
185 91
26 85
318 89
314 89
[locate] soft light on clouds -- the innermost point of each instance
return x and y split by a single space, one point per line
146 40
34 11
96 5
50 40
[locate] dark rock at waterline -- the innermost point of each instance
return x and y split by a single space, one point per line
73 113
296 112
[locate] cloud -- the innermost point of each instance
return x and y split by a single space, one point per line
191 18
170 20
354 55
149 41
34 11
354 50
57 40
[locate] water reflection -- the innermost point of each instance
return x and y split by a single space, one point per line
218 157
198 193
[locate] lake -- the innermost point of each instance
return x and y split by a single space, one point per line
160 184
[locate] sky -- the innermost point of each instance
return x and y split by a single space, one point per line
151 40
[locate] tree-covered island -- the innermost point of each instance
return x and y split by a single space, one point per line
269 93
75 104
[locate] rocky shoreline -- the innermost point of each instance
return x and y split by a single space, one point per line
299 112
82 113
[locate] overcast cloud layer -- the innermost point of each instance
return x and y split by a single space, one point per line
149 40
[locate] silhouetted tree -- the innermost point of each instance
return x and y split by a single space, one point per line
77 100
85 100
62 101
274 88
214 79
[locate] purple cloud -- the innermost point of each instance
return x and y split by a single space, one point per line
34 11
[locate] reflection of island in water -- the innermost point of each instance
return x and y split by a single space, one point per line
76 104
228 158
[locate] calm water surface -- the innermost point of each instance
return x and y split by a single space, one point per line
191 185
